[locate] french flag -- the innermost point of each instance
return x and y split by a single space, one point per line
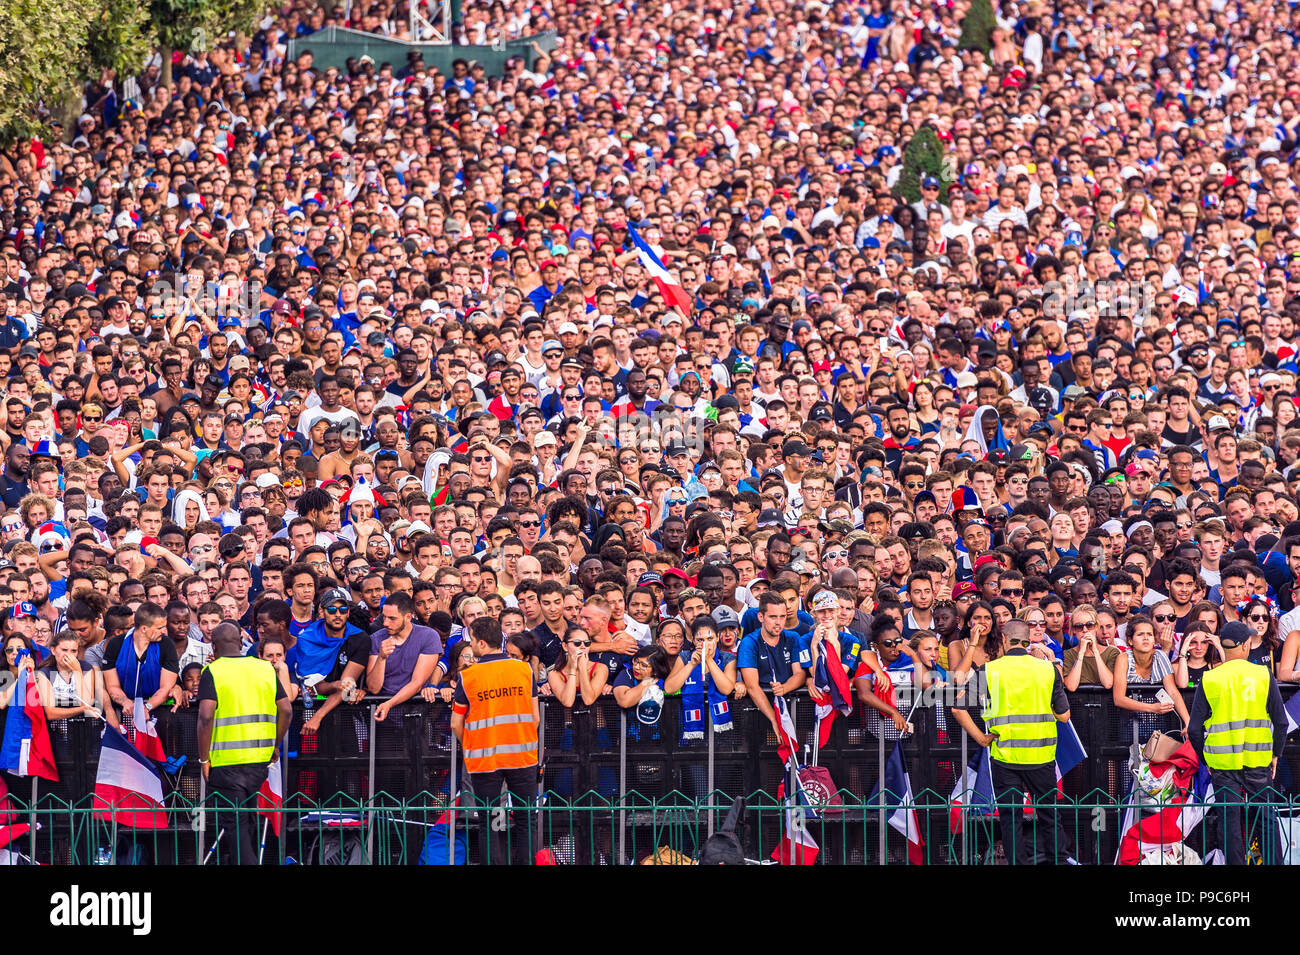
787 736
670 288
797 846
1069 750
10 828
26 750
1172 821
973 793
127 786
898 796
831 680
145 736
271 796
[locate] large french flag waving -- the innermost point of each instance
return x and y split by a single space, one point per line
26 750
128 787
670 288
898 797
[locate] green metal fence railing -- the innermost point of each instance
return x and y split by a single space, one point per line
610 790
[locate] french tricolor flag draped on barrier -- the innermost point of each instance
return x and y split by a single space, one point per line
973 794
797 846
670 288
26 750
145 734
10 827
831 680
128 787
1069 750
1149 830
898 796
270 797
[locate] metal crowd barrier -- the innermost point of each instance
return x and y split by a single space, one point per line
612 790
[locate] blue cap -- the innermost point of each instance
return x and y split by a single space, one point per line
22 609
871 242
552 345
929 182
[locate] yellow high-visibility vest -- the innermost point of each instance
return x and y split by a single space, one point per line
1019 711
1239 733
244 729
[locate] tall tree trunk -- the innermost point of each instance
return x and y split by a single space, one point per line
165 74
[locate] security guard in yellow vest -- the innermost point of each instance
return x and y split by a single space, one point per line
243 714
1023 698
1238 726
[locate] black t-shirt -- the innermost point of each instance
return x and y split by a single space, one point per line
548 644
355 649
167 658
208 688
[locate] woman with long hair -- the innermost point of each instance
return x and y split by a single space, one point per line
1140 672
1257 613
978 641
575 672
1200 652
69 686
926 413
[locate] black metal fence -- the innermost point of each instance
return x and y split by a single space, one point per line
612 789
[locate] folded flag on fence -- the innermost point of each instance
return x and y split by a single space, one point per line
26 750
973 794
898 796
1155 827
10 828
797 846
831 680
786 735
674 294
145 733
1069 749
271 796
128 787
1293 713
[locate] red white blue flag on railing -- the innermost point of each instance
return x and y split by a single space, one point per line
1069 749
10 827
145 735
786 735
973 794
670 288
26 750
898 796
271 796
128 787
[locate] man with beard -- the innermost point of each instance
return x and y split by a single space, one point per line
13 484
900 439
635 401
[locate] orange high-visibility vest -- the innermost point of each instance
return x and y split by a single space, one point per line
500 729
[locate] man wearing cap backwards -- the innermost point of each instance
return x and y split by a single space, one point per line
1238 727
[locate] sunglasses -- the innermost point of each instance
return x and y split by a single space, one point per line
480 459
832 554
579 643
529 523
1013 592
89 417
338 608
1258 618
891 643
1164 617
1090 625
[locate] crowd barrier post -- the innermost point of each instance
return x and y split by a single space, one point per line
370 786
622 784
880 776
965 797
708 786
453 792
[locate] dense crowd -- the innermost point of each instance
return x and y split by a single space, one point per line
354 357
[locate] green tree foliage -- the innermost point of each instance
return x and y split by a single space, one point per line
48 48
923 157
42 60
194 25
977 27
120 38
